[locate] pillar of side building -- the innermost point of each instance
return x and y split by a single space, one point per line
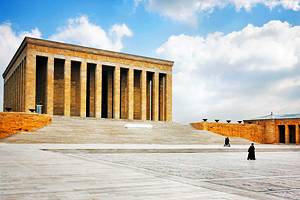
50 85
130 83
83 75
67 87
169 97
155 96
297 134
144 95
98 90
287 134
116 93
30 81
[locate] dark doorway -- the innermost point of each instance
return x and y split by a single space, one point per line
41 81
59 86
107 92
281 129
90 90
292 133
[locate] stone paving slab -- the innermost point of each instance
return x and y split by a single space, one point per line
27 172
274 174
31 173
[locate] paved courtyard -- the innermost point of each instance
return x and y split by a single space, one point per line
27 172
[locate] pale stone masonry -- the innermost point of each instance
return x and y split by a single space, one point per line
72 80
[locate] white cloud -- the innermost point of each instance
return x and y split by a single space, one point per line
77 31
9 42
83 32
238 75
186 11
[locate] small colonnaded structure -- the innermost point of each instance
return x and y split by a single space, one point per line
269 129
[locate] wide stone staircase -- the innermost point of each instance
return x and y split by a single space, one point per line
75 130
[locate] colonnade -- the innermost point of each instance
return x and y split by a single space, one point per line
86 88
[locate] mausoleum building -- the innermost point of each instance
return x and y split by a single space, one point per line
73 80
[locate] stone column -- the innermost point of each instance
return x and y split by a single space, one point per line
116 97
17 88
22 88
98 90
30 80
297 134
144 95
50 85
83 75
287 134
169 97
130 93
67 87
155 98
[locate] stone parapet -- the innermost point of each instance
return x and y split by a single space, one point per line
251 132
12 122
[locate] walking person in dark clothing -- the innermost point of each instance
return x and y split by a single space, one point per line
227 143
251 152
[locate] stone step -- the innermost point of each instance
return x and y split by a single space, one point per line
90 130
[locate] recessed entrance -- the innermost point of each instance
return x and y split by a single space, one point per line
75 88
281 129
107 91
58 97
292 133
90 90
41 81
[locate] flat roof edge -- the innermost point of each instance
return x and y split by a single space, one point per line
271 119
50 43
55 44
17 53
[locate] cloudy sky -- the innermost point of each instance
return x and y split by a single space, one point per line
234 59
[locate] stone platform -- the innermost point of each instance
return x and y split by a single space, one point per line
46 171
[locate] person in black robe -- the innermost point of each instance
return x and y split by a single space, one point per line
251 152
227 143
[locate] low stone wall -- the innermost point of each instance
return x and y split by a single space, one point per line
12 122
251 132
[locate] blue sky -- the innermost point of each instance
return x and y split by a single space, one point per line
164 28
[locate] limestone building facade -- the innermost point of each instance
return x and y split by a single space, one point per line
72 80
279 128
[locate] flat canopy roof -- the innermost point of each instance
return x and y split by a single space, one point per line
272 116
61 45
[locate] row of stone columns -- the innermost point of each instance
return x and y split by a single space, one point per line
14 88
30 89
